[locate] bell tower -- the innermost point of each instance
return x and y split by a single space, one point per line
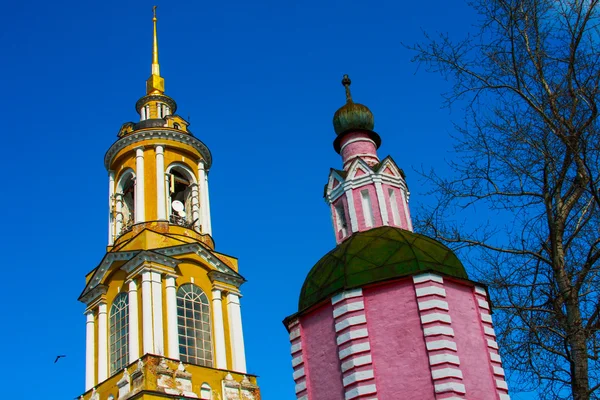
163 311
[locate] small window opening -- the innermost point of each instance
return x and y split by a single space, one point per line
340 218
367 208
205 392
394 207
176 126
181 199
128 205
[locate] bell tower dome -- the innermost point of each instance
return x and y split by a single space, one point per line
163 313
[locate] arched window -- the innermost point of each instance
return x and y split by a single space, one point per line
119 331
205 392
126 197
193 320
181 194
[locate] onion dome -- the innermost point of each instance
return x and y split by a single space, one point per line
376 255
352 116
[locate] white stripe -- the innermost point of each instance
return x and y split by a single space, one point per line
486 318
353 349
441 344
498 371
504 396
348 294
438 330
444 358
298 373
501 384
435 317
359 391
428 277
297 361
430 304
305 397
483 304
300 386
357 334
489 331
356 362
480 290
446 373
450 387
346 308
431 290
495 357
296 347
350 321
492 343
294 334
358 376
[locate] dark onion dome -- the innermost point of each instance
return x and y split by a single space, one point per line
376 255
352 116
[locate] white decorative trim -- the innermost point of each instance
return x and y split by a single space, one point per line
350 321
504 396
435 317
501 384
234 316
489 331
428 277
352 210
450 387
498 371
358 376
358 139
346 308
140 189
441 344
495 357
298 373
431 290
492 344
360 391
297 361
483 304
348 294
296 347
480 290
357 334
486 318
300 386
446 373
356 362
354 349
431 304
444 358
438 330
295 333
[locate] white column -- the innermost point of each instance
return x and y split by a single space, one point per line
202 196
160 183
90 371
139 185
111 204
157 314
208 220
102 343
143 113
236 336
147 339
134 342
219 330
351 210
119 213
171 297
381 201
196 206
406 210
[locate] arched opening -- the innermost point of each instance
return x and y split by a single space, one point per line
125 203
183 196
119 331
193 324
205 392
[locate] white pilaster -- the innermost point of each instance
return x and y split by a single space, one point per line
147 336
90 371
134 345
406 210
157 314
204 200
208 220
196 206
111 200
160 183
140 213
351 210
236 336
381 201
171 298
219 330
118 213
102 343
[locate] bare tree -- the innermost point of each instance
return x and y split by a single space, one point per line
528 149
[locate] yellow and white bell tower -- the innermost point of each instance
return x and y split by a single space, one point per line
163 313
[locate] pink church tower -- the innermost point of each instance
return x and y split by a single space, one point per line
388 314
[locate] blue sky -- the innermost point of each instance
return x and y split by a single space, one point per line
260 82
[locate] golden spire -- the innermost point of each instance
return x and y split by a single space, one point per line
155 84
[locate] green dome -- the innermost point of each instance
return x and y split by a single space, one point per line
376 255
352 115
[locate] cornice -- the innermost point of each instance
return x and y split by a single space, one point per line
101 269
161 134
147 256
156 97
92 297
217 276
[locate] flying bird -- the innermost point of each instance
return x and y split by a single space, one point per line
57 357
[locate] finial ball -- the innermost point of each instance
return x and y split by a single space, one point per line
346 80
